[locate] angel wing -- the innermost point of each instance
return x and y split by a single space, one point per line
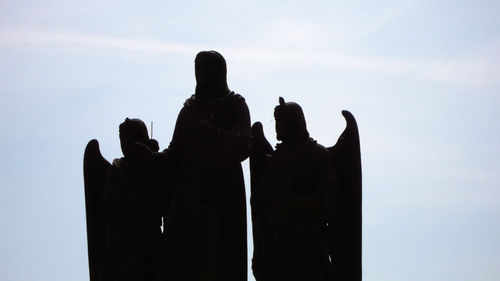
94 173
258 154
344 233
260 148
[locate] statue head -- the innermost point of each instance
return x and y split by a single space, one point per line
134 131
290 122
210 71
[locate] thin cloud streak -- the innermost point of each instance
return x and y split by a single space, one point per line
371 25
461 72
69 39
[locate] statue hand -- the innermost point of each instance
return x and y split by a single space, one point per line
141 151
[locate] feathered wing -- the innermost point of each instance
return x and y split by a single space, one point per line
260 148
345 204
95 168
258 154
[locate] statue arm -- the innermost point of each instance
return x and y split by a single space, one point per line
231 144
238 138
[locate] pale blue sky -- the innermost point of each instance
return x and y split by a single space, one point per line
422 78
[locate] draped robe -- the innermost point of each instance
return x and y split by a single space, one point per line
206 223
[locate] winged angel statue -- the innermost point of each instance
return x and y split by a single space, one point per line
306 202
122 208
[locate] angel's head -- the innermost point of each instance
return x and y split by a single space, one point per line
290 122
134 131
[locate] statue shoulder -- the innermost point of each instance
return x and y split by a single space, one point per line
190 101
318 150
236 102
234 97
231 97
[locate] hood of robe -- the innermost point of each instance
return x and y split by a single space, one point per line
132 131
210 72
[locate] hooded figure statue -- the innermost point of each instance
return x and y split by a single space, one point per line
288 201
206 226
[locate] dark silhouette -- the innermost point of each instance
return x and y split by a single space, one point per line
301 228
344 232
206 225
306 199
123 208
260 153
95 169
290 203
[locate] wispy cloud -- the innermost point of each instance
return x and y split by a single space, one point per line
458 71
368 24
30 37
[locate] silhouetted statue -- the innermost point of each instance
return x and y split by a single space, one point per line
291 203
206 227
298 221
123 207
